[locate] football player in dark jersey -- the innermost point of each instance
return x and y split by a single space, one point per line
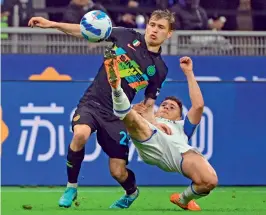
138 60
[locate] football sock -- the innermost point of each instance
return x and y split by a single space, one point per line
74 185
121 104
74 160
129 184
189 193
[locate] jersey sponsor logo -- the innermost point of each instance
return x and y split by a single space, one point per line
138 85
129 46
130 71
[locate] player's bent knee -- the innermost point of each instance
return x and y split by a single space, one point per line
210 182
118 170
213 181
139 129
135 123
117 173
81 134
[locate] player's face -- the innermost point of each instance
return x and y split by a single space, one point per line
157 31
169 110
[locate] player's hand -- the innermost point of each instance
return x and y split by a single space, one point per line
40 22
140 108
163 127
186 65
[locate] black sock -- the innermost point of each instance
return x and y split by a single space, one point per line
129 184
74 160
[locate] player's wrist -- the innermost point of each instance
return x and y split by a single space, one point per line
54 24
189 73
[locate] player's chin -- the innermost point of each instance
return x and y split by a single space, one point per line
154 42
162 115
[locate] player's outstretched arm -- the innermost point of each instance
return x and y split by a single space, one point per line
70 29
195 112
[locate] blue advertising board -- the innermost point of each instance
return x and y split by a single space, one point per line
36 126
85 67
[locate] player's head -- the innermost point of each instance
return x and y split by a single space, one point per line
159 27
170 108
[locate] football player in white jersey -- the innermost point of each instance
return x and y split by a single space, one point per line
164 142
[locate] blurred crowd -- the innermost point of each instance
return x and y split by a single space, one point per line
190 14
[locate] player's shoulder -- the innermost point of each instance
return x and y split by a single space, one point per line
138 36
121 34
125 30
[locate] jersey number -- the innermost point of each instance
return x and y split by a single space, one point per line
124 138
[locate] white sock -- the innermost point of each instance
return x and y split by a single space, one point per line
74 185
121 104
135 193
189 194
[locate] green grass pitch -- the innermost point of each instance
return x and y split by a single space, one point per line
152 200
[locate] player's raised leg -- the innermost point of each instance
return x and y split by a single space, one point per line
75 157
204 179
120 99
122 109
137 127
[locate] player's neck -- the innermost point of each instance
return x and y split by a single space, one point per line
154 49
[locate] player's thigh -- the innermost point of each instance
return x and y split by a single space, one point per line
198 169
83 124
114 140
137 127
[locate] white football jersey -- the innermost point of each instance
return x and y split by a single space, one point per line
165 151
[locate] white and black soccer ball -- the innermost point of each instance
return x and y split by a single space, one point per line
96 26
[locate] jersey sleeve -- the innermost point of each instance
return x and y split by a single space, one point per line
189 128
156 83
118 33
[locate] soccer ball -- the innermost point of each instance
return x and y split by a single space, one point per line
95 26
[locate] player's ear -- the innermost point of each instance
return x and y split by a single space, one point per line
169 34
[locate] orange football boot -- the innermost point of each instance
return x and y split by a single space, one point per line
191 206
111 68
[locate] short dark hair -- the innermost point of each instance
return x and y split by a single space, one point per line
165 14
177 101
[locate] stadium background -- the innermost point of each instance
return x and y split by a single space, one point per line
44 73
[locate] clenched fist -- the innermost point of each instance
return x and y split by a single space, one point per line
186 65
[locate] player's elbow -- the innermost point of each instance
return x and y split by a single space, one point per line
199 106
